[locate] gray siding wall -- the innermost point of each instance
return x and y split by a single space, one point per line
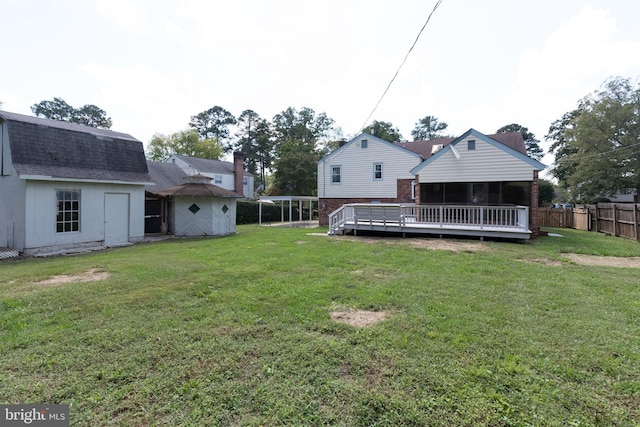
40 218
12 198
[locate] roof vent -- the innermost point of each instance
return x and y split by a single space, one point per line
436 148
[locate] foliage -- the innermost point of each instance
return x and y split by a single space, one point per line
427 128
254 141
237 331
296 137
546 190
214 124
597 145
384 130
530 141
186 143
58 109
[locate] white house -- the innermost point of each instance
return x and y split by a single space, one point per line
223 174
473 169
65 186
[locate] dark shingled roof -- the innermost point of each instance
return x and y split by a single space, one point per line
210 166
512 140
43 147
164 175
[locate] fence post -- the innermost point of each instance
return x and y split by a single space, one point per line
635 221
615 220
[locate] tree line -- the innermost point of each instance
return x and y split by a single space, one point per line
596 146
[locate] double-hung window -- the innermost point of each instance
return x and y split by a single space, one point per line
336 174
67 211
377 171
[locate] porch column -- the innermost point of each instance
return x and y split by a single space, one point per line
534 223
416 201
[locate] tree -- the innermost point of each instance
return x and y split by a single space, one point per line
255 142
186 143
530 141
603 135
214 123
296 136
428 127
58 109
546 190
384 130
562 147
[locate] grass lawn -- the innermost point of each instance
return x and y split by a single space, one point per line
238 331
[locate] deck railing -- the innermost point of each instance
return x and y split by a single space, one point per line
443 216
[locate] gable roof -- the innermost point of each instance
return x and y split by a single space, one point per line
492 140
513 140
52 149
369 137
209 166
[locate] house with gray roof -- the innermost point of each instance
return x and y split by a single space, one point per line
468 172
222 173
65 186
184 199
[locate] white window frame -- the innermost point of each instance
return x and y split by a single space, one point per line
375 172
217 179
339 168
67 210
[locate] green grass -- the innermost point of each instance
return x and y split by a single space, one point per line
237 331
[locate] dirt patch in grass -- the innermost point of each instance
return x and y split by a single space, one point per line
424 243
543 261
604 261
91 275
359 318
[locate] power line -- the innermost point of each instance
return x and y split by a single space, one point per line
402 64
579 156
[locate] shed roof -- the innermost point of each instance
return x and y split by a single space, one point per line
164 175
51 149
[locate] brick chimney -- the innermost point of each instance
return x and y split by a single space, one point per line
238 172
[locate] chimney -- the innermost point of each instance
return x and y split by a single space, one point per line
238 172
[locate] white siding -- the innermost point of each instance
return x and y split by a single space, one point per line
40 227
357 169
228 180
486 163
209 220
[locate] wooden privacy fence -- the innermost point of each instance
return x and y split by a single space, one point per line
617 219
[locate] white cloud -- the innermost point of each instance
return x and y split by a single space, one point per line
145 98
574 61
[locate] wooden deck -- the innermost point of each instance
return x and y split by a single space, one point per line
509 222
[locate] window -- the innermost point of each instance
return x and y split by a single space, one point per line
336 174
217 179
471 144
68 211
377 171
364 143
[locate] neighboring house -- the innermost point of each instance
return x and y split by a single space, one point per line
471 169
221 173
191 205
65 186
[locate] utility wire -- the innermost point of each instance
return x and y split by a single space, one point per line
579 156
401 65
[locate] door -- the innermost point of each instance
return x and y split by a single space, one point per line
116 219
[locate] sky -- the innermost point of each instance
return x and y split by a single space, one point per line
152 64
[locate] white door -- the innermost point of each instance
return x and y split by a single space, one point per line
116 219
